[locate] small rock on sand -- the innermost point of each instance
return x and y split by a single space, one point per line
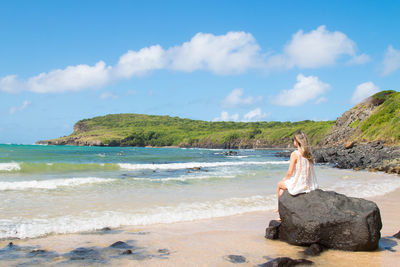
236 258
120 245
285 262
313 250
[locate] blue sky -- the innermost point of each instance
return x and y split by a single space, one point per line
62 61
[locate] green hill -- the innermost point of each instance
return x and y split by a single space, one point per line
377 118
151 130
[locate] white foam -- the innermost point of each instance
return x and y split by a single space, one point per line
188 165
364 188
183 178
10 166
29 228
51 184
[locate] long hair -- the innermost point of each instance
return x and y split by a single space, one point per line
304 146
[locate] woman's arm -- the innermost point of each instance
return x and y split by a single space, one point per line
292 165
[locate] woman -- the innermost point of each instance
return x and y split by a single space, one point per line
300 177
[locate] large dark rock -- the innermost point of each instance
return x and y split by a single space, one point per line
330 219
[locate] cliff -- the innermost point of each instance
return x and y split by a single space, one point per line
375 119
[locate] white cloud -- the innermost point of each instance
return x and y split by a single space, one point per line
361 59
391 60
363 91
138 63
23 106
234 52
255 115
10 84
306 88
108 95
230 53
315 49
226 117
235 98
72 78
320 100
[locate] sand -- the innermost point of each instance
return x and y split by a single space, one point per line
209 242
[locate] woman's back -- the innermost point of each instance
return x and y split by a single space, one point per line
303 179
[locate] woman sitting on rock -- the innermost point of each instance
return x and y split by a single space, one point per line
300 177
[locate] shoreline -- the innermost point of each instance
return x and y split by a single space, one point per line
186 243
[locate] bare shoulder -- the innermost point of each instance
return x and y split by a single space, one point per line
293 155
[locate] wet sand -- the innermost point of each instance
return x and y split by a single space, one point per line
198 243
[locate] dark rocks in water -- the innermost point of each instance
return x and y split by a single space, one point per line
284 154
272 231
373 156
83 253
120 245
397 235
285 262
330 219
231 153
105 229
236 258
127 252
313 250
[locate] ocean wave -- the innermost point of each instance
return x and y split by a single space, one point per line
24 228
189 165
51 184
8 167
33 167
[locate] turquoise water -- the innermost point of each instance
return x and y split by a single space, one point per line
65 189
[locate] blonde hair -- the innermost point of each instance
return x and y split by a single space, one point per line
304 146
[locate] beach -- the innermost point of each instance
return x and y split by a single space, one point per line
210 242
164 207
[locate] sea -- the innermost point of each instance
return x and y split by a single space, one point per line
67 189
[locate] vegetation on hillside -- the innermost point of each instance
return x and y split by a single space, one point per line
151 130
384 123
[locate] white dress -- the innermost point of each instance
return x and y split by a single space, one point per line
303 179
